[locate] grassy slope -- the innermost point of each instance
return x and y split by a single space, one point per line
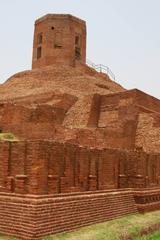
6 238
111 230
153 236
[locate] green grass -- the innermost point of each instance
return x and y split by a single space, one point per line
7 238
7 137
112 230
152 236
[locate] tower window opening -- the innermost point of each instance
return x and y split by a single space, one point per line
39 52
78 47
58 40
77 53
77 40
40 38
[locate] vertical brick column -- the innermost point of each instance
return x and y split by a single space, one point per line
55 167
17 166
84 167
131 165
122 175
93 175
4 165
141 170
158 169
101 171
108 169
37 167
68 181
136 169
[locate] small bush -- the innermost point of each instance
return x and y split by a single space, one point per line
8 137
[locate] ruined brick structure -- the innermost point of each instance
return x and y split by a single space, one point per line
59 39
84 142
47 167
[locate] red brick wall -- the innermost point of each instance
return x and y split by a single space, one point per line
67 27
47 170
139 170
47 167
147 199
35 121
41 167
32 218
114 121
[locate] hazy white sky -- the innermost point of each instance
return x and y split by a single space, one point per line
122 34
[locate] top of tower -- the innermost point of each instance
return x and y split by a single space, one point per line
59 16
59 39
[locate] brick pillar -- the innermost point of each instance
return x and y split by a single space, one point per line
93 175
4 165
68 181
20 182
108 169
56 168
158 169
17 166
37 167
83 162
122 175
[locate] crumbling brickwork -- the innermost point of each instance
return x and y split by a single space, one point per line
84 143
127 120
148 132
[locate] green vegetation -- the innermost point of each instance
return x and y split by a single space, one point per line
152 236
6 238
7 137
112 230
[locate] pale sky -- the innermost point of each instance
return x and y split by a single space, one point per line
122 34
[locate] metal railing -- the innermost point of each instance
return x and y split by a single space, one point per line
102 69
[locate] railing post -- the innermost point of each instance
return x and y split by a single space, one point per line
101 68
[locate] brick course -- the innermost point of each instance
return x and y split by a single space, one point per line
31 218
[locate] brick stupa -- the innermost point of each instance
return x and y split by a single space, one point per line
83 143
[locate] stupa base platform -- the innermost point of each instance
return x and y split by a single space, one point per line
32 217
